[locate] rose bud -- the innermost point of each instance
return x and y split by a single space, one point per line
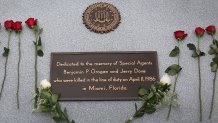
9 24
17 26
165 80
211 29
44 84
31 22
199 31
180 35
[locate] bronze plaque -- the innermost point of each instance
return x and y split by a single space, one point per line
102 75
101 17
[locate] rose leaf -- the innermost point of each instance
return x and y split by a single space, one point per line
213 67
6 52
175 52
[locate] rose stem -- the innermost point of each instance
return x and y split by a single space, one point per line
18 71
212 104
213 96
174 88
5 74
36 71
199 76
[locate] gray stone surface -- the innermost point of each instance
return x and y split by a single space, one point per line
146 25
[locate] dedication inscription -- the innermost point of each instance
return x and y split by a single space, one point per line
102 75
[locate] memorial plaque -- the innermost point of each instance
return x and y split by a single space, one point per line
102 75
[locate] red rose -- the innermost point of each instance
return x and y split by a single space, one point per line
180 35
199 31
17 26
31 22
211 29
8 24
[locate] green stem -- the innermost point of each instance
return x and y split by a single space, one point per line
128 120
199 76
5 73
18 72
214 91
200 99
179 53
61 113
213 37
36 71
66 118
213 96
174 88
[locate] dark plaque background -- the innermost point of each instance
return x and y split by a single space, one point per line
81 90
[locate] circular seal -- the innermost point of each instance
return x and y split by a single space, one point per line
101 17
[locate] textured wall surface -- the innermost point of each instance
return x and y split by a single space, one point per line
145 25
